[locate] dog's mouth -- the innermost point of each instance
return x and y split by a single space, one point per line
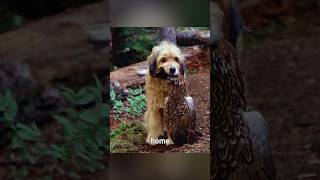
162 74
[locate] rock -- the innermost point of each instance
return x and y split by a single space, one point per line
15 76
120 91
99 34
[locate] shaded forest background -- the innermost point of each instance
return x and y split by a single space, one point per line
50 50
13 13
53 103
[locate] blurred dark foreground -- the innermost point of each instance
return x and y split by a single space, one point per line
174 166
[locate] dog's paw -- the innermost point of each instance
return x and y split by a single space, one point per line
170 141
148 141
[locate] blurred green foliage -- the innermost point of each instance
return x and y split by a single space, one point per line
85 131
8 107
133 45
138 39
39 8
84 136
14 12
9 20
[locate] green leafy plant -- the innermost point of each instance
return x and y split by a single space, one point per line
84 132
127 137
137 101
117 104
8 106
122 127
138 39
22 134
133 44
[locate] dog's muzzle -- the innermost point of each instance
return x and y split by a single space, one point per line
173 70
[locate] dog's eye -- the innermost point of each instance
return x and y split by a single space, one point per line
176 59
163 60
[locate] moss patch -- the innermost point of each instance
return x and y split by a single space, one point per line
127 137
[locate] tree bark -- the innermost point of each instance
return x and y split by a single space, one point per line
191 38
185 38
168 34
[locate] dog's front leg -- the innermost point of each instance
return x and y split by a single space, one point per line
154 127
170 140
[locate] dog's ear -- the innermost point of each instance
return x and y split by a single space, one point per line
153 66
183 69
152 61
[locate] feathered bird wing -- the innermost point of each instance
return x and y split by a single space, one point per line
263 162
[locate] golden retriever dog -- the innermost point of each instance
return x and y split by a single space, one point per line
164 61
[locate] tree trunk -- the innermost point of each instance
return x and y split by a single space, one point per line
191 38
117 40
168 34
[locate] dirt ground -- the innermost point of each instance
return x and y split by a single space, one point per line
283 83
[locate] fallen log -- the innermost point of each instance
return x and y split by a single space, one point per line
192 38
129 76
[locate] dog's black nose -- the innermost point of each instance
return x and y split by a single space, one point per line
172 70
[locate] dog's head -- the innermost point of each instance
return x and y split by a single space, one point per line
166 60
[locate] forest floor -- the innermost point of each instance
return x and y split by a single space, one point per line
283 84
198 88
